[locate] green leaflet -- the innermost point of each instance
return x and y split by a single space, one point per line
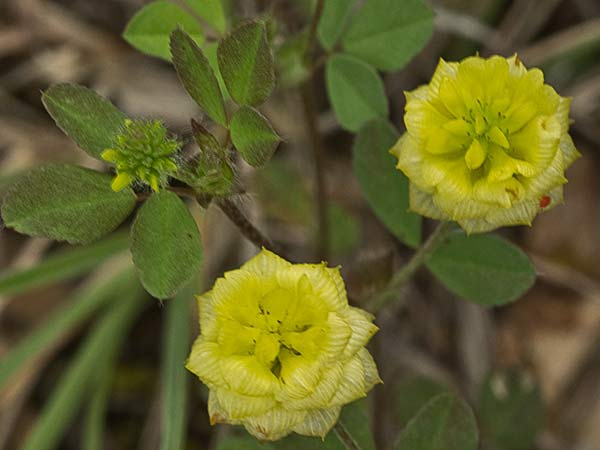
89 119
355 91
166 245
66 203
388 33
197 75
444 423
483 268
384 186
246 64
150 29
253 136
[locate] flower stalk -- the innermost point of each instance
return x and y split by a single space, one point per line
403 276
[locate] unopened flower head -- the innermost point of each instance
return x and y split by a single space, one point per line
280 348
143 151
487 144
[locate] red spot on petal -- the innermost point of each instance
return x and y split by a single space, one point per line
545 201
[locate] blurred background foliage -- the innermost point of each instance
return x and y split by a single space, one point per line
531 370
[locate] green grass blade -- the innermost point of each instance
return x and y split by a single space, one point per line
62 266
174 375
94 422
96 351
84 302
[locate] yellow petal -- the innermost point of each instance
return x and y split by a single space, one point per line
568 149
235 338
441 142
442 71
318 422
340 331
460 210
153 182
237 406
549 178
110 155
421 118
498 137
353 385
410 159
217 413
236 295
371 373
519 115
204 362
327 283
266 263
274 424
207 317
308 343
458 127
121 181
450 96
246 375
300 375
521 213
480 124
456 183
321 397
422 203
361 323
475 155
267 348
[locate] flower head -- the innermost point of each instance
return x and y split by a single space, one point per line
280 348
487 144
142 151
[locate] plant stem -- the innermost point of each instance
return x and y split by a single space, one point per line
345 437
318 154
249 231
402 276
312 32
310 117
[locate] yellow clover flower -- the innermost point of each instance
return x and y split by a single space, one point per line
280 348
142 151
487 144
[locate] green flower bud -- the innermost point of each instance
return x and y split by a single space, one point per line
142 151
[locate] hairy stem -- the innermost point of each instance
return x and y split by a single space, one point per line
402 276
249 231
310 117
345 437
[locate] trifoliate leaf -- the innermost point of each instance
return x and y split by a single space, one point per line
66 203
